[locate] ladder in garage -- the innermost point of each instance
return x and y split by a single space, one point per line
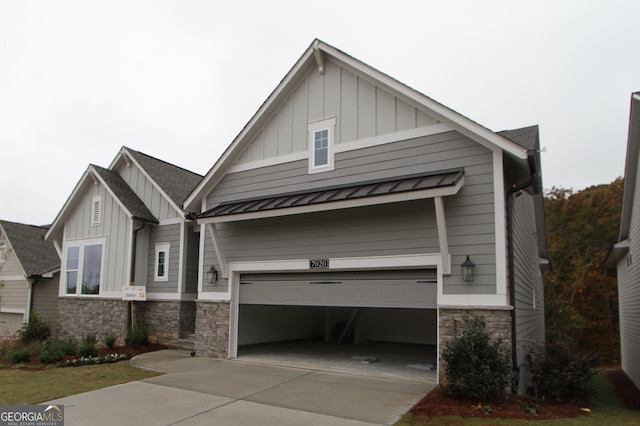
351 324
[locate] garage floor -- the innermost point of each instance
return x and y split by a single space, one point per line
392 360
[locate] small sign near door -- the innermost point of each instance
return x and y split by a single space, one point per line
318 263
134 292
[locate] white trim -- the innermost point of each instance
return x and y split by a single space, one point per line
6 278
354 145
442 235
96 210
336 205
13 311
450 301
500 224
172 221
182 251
81 243
328 124
201 241
217 246
164 247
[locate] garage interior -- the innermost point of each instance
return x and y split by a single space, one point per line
396 343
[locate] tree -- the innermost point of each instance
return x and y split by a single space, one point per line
580 293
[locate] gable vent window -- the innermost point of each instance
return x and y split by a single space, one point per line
96 211
321 140
3 251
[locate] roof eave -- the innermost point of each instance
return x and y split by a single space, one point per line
631 166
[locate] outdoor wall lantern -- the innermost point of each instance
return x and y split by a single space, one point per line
468 268
212 275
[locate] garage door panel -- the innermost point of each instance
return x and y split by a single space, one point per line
414 289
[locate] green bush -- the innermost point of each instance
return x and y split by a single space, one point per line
475 366
20 355
88 346
36 330
562 373
137 337
7 344
69 345
53 351
110 340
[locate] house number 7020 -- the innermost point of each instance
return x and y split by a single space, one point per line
318 263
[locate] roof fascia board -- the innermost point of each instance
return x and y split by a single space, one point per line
228 156
131 158
62 214
113 195
631 166
336 205
464 125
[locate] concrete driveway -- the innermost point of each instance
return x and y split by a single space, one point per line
206 391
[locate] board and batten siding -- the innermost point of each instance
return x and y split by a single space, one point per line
158 235
361 108
529 297
148 193
115 228
393 229
629 295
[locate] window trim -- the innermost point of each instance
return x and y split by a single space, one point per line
82 244
314 127
96 210
166 249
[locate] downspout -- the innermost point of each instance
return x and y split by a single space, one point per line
511 264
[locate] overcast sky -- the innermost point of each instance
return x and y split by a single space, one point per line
179 79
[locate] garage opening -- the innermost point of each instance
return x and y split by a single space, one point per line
381 323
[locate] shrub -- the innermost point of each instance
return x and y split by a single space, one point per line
475 366
36 330
110 340
562 373
137 337
88 346
7 344
69 345
53 351
19 355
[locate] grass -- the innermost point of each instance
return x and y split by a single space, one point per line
609 411
24 386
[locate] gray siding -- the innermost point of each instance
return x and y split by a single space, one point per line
629 295
115 226
362 110
164 234
529 297
402 228
45 298
152 198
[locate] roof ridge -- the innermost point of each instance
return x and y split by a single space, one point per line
162 161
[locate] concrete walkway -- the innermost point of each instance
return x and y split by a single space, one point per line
206 391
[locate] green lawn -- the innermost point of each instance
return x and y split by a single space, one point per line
24 386
609 411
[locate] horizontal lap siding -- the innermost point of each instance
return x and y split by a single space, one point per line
45 298
395 229
629 296
164 234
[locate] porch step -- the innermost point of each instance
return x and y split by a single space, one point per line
187 343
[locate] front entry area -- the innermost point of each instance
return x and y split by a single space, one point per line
381 323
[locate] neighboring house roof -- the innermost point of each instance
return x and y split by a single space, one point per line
630 172
36 255
375 191
175 181
123 192
314 56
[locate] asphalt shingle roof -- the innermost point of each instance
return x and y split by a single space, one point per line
36 255
175 181
125 194
526 137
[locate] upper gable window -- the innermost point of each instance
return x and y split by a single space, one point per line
321 139
96 211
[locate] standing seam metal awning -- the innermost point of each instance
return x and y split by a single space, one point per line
380 188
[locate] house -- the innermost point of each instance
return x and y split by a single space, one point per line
626 252
29 275
122 226
351 201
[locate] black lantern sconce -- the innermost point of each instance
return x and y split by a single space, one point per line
468 269
212 275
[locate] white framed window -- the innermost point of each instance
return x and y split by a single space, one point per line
161 269
83 267
96 211
321 140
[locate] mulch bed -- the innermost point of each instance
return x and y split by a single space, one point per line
437 403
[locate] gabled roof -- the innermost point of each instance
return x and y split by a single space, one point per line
630 172
36 255
176 182
317 52
131 203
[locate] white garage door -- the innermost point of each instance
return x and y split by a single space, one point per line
388 289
